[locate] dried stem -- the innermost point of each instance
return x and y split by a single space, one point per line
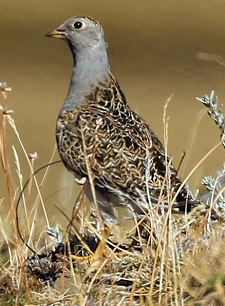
4 157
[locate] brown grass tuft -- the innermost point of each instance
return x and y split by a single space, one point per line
174 260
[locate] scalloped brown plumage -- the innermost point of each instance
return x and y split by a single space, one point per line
96 125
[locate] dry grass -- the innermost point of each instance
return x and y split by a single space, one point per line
174 260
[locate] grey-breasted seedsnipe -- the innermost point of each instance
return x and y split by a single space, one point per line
101 139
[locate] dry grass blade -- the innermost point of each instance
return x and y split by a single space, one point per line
4 156
168 261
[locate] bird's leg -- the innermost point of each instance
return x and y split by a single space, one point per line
101 248
80 258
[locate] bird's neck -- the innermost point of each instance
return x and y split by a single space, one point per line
90 68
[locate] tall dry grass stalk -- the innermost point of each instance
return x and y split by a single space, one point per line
4 158
19 220
160 259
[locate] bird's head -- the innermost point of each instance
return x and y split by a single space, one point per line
80 33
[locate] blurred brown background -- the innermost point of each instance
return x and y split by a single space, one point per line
153 47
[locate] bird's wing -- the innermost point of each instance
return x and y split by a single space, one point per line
125 156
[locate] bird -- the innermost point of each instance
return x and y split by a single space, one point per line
107 146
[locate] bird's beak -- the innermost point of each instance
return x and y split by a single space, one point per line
57 34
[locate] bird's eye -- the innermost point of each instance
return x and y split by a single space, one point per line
78 25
